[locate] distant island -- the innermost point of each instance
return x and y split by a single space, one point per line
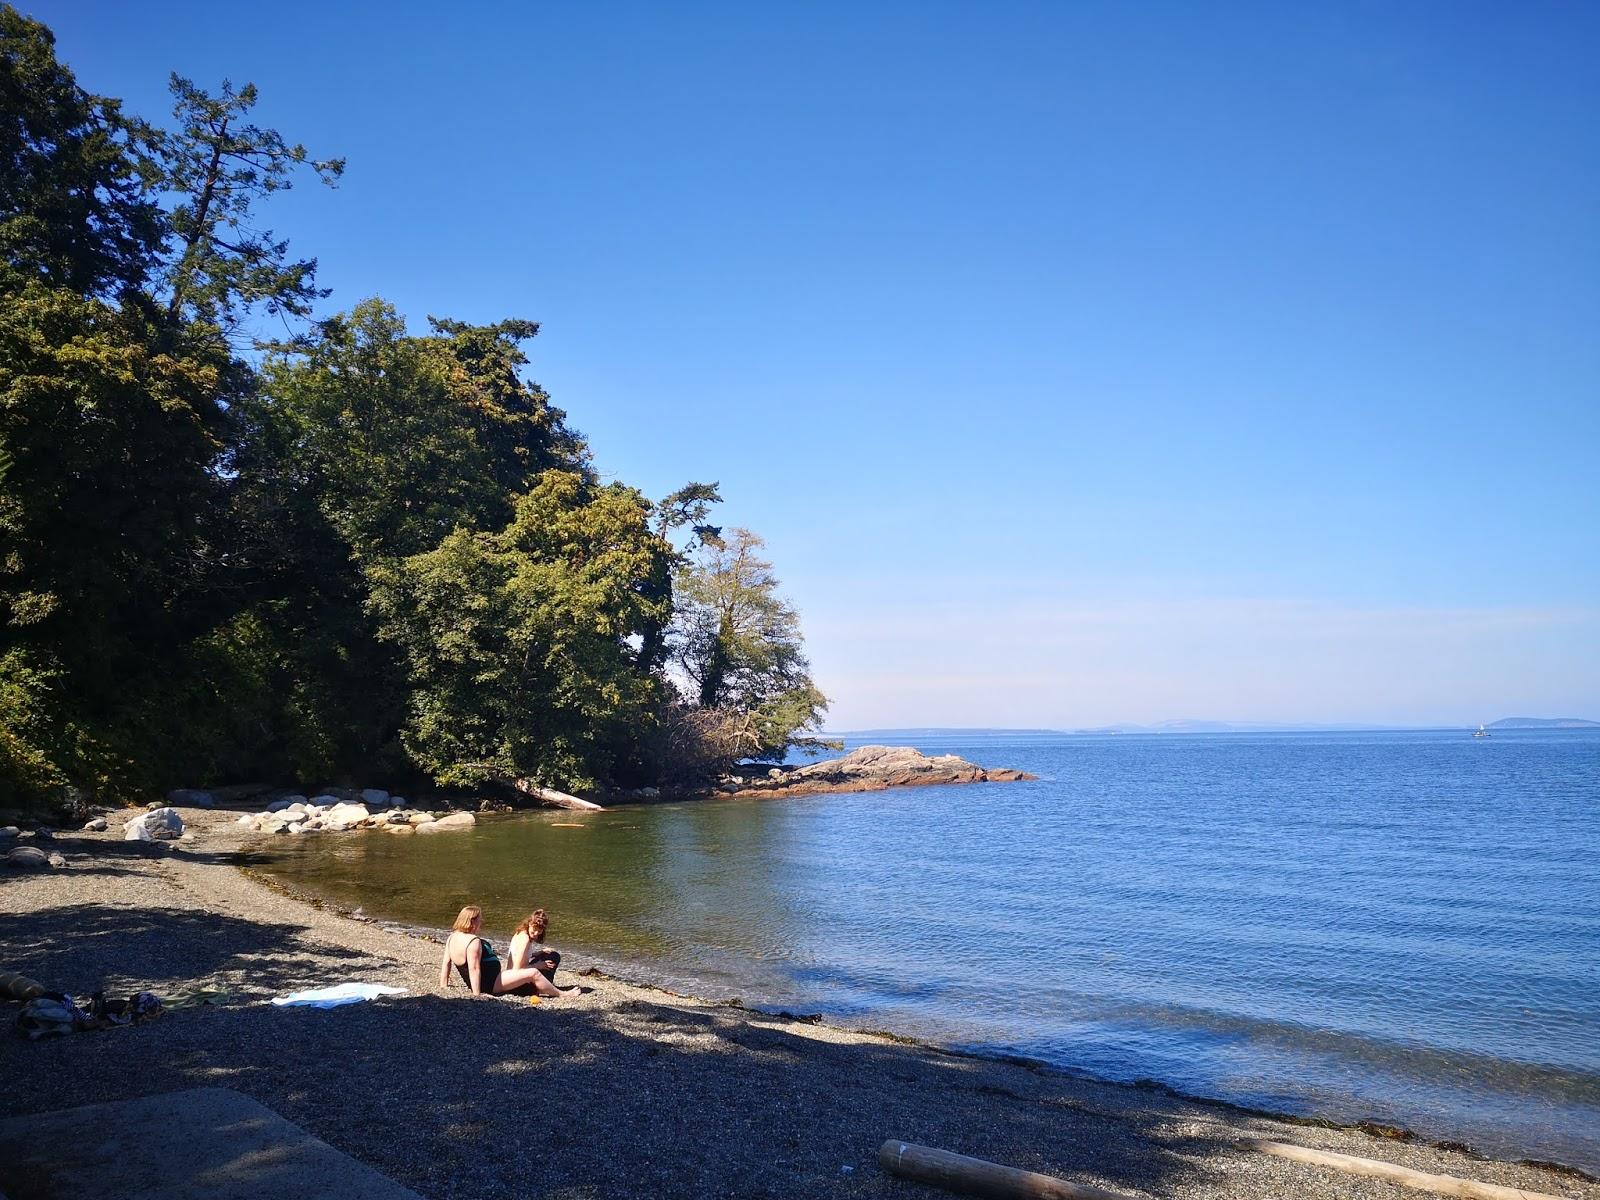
1543 723
1200 726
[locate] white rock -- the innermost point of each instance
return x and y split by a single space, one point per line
374 797
95 825
159 824
55 859
461 820
249 819
347 814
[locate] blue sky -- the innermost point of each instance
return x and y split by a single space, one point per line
1079 362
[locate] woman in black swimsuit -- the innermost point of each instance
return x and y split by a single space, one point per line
479 966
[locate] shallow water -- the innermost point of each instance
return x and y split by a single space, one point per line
1399 926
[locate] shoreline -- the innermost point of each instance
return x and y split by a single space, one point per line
1371 1127
731 1074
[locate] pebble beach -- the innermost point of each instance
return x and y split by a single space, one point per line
622 1091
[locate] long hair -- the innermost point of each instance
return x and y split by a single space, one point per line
535 925
466 918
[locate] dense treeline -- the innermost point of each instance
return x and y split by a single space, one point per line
355 553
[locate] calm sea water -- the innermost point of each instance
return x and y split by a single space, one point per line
1399 926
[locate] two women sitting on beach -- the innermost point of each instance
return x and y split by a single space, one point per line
532 969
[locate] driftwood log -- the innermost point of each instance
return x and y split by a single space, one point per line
975 1177
1372 1168
560 799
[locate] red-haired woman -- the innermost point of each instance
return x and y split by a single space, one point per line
470 953
528 948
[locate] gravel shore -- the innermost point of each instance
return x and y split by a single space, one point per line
624 1091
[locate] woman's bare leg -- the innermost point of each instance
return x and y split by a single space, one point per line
511 978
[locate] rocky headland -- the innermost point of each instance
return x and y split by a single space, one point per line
872 769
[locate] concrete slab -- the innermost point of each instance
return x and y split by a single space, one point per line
206 1142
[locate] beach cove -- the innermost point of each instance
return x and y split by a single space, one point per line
625 1088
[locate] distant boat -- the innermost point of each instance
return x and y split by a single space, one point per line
1481 732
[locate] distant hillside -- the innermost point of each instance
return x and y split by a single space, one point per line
1544 723
1190 726
939 731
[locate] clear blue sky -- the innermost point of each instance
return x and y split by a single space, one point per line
1080 362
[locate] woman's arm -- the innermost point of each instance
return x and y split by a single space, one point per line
444 966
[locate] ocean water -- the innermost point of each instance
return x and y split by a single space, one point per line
1394 926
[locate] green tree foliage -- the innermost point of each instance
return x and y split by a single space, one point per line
366 554
220 166
114 419
521 643
75 210
739 647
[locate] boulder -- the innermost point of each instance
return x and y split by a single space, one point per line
399 829
95 825
461 820
323 798
249 819
9 832
374 797
397 801
193 797
55 859
286 802
162 824
346 814
28 858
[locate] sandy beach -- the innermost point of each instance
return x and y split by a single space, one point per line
623 1091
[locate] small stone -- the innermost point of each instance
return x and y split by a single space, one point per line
248 819
95 825
55 859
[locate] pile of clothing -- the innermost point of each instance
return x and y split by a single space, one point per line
56 1013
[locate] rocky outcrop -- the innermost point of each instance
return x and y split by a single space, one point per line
873 769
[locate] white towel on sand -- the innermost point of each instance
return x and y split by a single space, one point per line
333 997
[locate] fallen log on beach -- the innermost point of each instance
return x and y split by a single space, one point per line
977 1177
1372 1168
558 799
